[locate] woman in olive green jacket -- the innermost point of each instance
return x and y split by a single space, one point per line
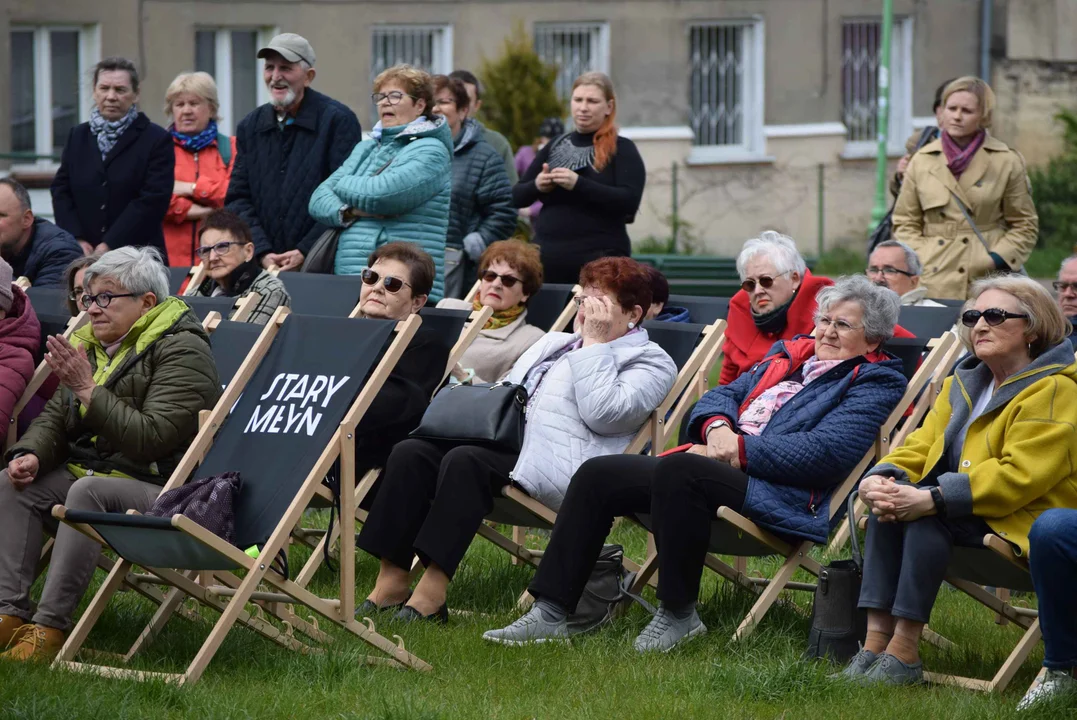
966 171
131 388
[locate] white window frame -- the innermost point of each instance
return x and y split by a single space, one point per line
441 62
901 123
752 148
600 42
222 72
89 55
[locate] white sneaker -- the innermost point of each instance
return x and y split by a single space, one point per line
1051 684
529 628
666 632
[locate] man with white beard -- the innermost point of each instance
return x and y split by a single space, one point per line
284 150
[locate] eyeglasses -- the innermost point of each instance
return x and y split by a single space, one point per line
75 296
506 280
992 316
1061 287
104 299
823 323
221 248
392 284
887 270
393 97
765 281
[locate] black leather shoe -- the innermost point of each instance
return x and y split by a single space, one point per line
409 614
369 608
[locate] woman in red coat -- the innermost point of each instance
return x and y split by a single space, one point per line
20 339
776 302
204 160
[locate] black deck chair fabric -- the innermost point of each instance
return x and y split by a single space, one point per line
231 342
909 350
203 306
51 324
280 427
928 322
313 294
49 301
701 309
442 325
949 302
547 304
176 276
679 340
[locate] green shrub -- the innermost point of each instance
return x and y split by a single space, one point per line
519 90
1054 188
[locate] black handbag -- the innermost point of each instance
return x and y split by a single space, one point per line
322 257
489 414
838 626
606 595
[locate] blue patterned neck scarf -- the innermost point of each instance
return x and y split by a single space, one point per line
108 131
194 143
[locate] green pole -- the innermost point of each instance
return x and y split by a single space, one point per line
883 116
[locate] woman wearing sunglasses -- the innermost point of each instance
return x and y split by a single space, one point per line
589 392
226 248
776 301
398 184
510 273
998 449
132 386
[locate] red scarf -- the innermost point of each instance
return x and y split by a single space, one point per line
958 158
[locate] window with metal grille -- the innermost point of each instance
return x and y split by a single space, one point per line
47 97
229 55
861 42
725 86
575 48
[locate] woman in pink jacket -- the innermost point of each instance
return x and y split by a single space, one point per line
20 338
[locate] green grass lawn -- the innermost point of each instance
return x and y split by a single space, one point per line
599 676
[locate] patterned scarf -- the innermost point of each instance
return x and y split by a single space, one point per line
194 143
958 158
758 414
107 131
501 318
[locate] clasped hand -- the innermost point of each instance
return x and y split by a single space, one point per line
71 367
549 179
722 445
893 502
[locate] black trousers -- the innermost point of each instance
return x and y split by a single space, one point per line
681 492
562 265
905 562
431 500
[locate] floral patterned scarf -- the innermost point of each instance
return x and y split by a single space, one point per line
107 131
501 318
758 414
194 143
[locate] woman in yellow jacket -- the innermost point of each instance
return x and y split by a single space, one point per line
998 448
966 173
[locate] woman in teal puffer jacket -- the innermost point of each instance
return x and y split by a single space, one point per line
398 184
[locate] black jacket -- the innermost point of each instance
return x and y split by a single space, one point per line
50 250
121 200
276 171
481 193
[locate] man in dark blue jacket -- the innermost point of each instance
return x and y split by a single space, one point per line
1066 287
34 247
285 149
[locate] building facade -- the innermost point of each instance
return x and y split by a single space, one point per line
750 114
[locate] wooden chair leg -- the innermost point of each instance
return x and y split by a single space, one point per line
1002 594
519 536
774 588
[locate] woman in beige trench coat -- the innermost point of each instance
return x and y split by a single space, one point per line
966 168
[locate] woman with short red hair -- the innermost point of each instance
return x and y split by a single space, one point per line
588 393
590 182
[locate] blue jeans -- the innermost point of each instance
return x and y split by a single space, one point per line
1053 559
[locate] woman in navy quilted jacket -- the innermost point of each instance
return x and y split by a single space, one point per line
772 445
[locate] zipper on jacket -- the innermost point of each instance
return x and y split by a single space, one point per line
811 504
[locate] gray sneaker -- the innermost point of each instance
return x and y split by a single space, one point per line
888 670
528 629
1053 684
665 631
858 667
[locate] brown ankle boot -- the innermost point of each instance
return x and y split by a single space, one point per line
36 643
8 625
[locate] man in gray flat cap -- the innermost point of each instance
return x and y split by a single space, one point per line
284 150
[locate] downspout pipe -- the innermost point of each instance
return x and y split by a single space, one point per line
986 12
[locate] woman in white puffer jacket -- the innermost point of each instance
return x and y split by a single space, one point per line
589 392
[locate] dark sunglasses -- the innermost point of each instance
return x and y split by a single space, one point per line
765 281
506 280
104 299
392 284
992 316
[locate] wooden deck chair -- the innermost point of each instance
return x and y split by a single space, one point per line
453 329
237 309
705 310
687 344
23 282
315 294
193 276
294 418
734 534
